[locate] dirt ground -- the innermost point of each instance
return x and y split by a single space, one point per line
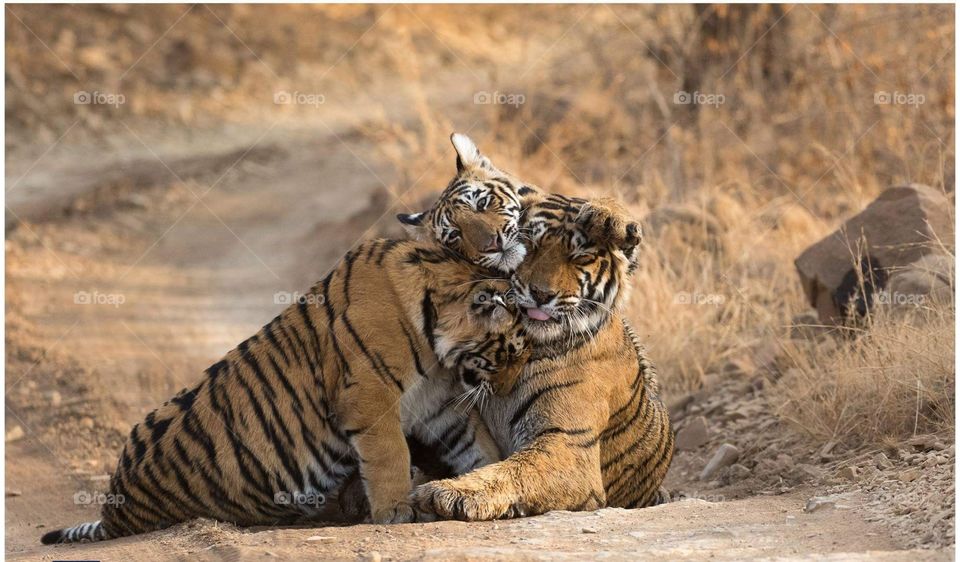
182 264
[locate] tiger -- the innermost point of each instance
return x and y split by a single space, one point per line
585 426
330 386
478 214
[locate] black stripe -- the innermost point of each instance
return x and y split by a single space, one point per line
529 401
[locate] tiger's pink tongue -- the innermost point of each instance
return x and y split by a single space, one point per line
538 314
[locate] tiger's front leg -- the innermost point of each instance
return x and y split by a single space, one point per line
550 473
373 422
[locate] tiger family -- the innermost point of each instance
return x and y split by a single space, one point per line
506 293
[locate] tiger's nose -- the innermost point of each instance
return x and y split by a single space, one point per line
540 295
493 245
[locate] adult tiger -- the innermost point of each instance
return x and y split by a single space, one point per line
584 426
334 381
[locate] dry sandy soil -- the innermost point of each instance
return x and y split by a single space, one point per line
196 243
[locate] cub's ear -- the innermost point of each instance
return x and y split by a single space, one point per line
411 219
606 220
468 155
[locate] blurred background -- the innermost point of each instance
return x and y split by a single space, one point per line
174 173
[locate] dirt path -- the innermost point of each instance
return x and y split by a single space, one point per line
184 259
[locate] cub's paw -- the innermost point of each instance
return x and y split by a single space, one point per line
447 501
400 513
606 219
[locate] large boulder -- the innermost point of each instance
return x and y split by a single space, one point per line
845 271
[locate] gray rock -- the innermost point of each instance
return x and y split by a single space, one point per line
816 504
881 461
693 435
895 230
725 455
849 473
737 472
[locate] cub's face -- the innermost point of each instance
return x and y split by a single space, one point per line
581 254
489 359
477 215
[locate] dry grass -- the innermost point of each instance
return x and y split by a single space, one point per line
893 379
797 145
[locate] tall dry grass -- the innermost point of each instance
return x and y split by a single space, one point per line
894 378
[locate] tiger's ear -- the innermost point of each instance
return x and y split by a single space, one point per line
468 155
411 219
414 223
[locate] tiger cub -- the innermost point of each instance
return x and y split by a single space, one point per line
478 214
328 386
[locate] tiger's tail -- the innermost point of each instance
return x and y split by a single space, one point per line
92 531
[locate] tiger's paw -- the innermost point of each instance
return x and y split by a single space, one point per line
400 513
606 219
449 501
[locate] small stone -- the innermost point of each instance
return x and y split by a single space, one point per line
908 475
13 493
826 449
677 407
725 455
693 435
816 504
15 433
87 422
881 461
849 473
926 443
318 538
589 531
737 472
373 556
54 397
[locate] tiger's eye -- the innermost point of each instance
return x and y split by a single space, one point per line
583 259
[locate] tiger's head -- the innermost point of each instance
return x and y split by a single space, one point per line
486 344
576 275
477 215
